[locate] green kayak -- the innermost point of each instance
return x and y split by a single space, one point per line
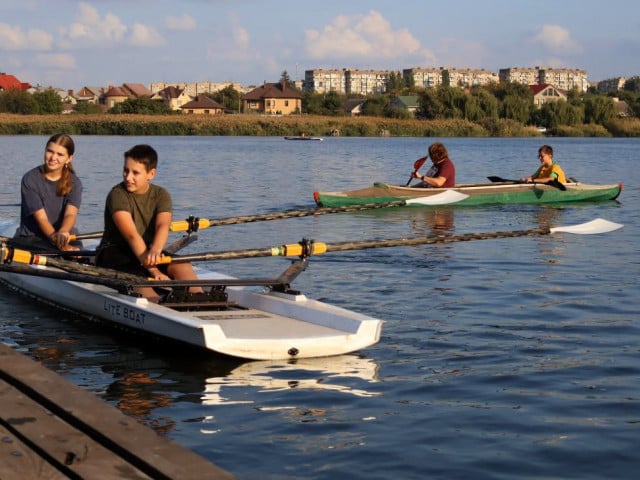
478 194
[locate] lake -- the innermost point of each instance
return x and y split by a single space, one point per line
513 358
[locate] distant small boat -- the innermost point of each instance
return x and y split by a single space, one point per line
303 137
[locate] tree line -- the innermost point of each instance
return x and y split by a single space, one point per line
509 101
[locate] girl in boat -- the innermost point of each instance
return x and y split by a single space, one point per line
51 194
442 174
549 171
137 216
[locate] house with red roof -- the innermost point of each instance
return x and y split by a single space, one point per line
273 99
9 82
544 92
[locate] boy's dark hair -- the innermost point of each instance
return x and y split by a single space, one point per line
144 154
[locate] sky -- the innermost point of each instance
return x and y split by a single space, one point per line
70 44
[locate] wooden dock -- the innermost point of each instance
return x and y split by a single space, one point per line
52 429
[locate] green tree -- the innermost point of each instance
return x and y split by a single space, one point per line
394 82
375 106
430 107
599 109
487 102
446 78
560 112
17 101
284 77
87 108
332 104
312 103
229 97
47 101
143 106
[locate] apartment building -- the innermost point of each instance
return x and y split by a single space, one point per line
365 82
564 78
193 89
611 84
423 77
526 76
325 81
346 81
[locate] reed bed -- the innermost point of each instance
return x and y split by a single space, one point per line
259 125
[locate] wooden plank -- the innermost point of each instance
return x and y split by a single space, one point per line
62 446
18 461
74 430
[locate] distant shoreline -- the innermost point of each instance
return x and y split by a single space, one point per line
319 126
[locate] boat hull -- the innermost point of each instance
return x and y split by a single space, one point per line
478 194
256 325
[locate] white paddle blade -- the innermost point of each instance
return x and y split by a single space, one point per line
444 198
599 225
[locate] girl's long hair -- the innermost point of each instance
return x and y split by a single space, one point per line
65 183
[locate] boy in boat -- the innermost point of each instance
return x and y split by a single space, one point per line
137 216
443 173
549 171
51 194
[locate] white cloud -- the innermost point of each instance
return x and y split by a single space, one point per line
14 38
183 23
556 39
91 30
144 36
364 37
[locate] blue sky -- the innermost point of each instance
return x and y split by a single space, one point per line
70 44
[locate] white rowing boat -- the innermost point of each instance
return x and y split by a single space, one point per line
255 324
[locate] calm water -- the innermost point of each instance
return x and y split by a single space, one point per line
499 359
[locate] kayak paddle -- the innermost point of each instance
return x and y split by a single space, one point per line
416 166
554 183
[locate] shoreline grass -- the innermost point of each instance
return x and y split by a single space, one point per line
323 126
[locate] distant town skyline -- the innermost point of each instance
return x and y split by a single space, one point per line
79 43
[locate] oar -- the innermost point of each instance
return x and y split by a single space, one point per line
554 183
194 224
84 236
416 166
10 255
310 247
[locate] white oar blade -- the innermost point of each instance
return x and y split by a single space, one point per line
599 225
444 198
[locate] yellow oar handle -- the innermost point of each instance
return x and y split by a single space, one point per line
296 249
184 225
302 249
9 254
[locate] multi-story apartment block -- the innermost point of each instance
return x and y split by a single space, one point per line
611 84
324 81
564 78
422 77
364 82
458 77
468 77
193 89
526 76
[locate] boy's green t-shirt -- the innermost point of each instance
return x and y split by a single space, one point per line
143 209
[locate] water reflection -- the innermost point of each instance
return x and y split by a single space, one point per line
433 221
333 373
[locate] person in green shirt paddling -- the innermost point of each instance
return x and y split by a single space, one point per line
137 216
549 171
